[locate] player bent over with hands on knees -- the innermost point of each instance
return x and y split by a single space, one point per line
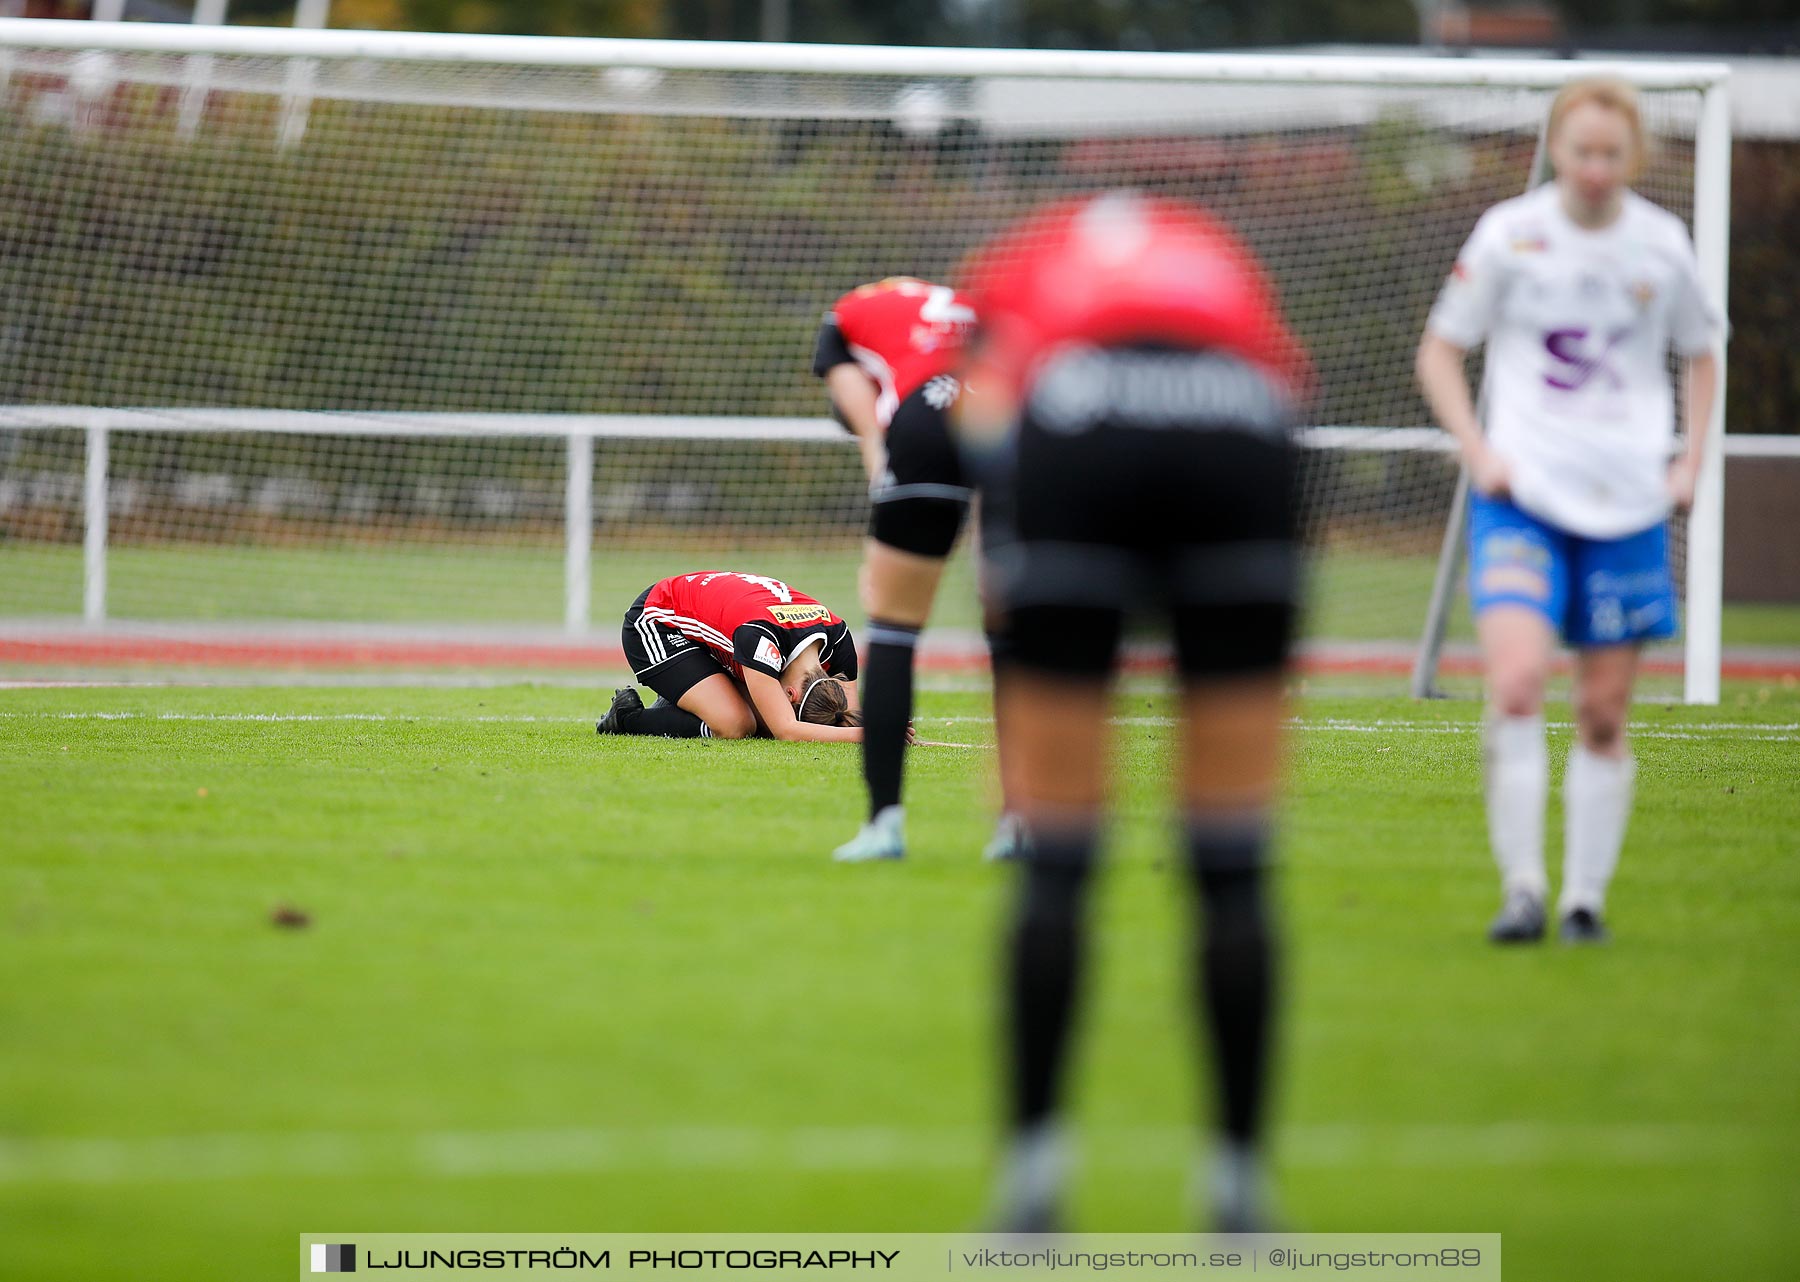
887 352
732 655
1132 392
1579 289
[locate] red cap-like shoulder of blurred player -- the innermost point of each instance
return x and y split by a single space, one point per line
1123 268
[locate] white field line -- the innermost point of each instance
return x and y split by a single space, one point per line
328 680
1748 731
480 1154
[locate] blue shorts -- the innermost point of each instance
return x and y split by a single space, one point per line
1594 591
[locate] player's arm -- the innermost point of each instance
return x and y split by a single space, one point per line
1445 385
853 395
771 704
1444 381
1460 319
1695 332
1699 386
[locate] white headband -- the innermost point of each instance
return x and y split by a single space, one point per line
806 694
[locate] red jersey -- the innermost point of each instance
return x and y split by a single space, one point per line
1122 269
751 621
901 332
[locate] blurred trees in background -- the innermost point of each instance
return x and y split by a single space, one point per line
1094 24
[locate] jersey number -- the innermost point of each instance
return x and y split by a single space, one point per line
779 590
941 308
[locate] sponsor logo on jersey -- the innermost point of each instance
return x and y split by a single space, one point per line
792 614
766 652
1643 293
1086 386
1578 360
1530 245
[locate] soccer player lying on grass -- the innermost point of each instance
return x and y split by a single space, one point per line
732 655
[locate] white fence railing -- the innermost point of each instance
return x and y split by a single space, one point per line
579 432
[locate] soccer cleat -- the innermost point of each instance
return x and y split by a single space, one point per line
1013 1221
624 703
1583 926
1521 920
1008 841
1238 1193
1028 1193
881 838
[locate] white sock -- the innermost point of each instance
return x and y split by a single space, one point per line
1236 1182
1518 786
1033 1171
1596 806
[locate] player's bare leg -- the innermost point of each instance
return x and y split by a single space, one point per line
1231 759
1057 733
897 591
1517 643
1008 839
717 702
1597 788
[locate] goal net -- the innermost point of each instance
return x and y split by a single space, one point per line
347 330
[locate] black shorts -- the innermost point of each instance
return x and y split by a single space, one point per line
664 659
1190 521
920 504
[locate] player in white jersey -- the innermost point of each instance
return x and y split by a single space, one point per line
1580 289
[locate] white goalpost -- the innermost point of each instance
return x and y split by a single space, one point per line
424 332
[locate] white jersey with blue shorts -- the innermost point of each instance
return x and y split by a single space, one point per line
1578 325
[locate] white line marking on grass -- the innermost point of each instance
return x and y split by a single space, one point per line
399 717
590 1150
1745 730
214 680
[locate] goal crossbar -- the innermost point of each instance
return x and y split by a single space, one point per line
824 59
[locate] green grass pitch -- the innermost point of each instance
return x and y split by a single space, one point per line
553 982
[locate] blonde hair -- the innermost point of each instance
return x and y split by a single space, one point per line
1609 93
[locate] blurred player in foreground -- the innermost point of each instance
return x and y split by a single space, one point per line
1579 288
1132 392
734 654
886 352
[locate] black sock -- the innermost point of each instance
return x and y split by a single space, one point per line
999 644
887 707
1235 992
667 720
1044 967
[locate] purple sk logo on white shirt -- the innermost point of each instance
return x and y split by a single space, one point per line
1568 347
